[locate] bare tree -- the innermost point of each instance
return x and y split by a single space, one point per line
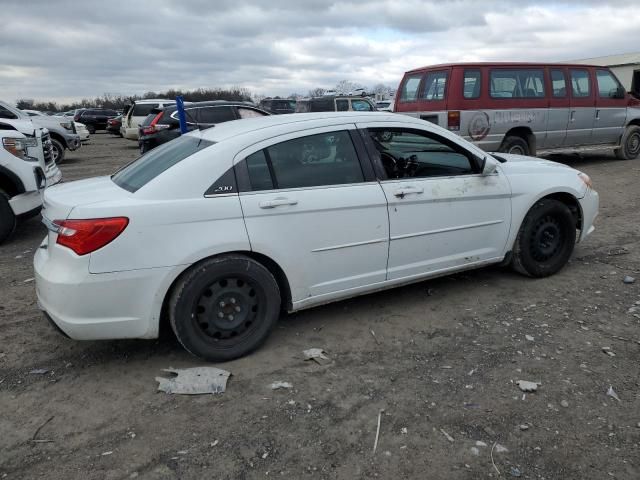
25 103
316 92
347 86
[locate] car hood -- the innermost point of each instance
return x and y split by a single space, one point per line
523 163
24 126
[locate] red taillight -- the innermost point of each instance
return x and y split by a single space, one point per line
453 120
86 236
154 126
76 118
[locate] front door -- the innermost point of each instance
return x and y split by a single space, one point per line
582 108
313 206
443 213
611 108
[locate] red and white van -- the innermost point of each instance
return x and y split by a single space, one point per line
526 108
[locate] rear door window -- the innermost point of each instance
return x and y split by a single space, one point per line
153 163
259 174
215 114
409 92
435 84
471 87
517 83
580 87
558 83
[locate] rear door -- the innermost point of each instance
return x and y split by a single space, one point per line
611 108
443 213
582 111
311 202
558 117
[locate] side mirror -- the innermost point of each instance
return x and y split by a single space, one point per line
619 92
488 165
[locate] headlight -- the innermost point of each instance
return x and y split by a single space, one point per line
67 125
18 147
585 179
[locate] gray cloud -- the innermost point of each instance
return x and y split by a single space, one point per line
68 49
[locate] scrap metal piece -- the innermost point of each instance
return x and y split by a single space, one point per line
194 381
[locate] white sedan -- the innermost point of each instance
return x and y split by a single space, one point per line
219 231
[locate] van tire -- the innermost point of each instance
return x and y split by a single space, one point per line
629 144
545 240
7 217
515 145
224 307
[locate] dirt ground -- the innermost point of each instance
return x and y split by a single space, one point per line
442 368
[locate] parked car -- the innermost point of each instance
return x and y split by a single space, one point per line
277 106
335 103
39 148
82 131
114 125
62 131
135 114
384 105
526 108
221 229
95 118
163 125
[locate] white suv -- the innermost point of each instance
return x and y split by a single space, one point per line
221 229
137 112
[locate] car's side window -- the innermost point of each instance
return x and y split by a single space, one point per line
472 84
361 106
315 160
608 86
215 114
342 105
517 83
558 83
409 92
5 113
435 84
580 83
406 153
249 113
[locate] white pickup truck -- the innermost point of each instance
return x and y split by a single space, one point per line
26 168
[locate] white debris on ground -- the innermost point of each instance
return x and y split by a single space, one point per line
194 381
278 385
527 386
318 355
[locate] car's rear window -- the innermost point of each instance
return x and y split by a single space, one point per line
143 109
153 163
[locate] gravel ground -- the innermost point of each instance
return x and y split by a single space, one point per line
440 373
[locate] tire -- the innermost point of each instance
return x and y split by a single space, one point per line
58 150
92 129
515 145
238 289
144 148
629 144
546 239
7 217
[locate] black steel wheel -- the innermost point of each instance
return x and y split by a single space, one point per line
515 145
629 144
545 240
224 307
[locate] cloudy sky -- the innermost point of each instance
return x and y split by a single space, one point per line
69 49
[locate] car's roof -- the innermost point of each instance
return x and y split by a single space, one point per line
497 64
299 121
154 100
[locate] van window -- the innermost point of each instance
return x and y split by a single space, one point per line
471 86
434 85
580 83
409 92
517 83
342 105
361 106
607 84
143 109
558 83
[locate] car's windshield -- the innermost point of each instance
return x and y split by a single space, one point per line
140 172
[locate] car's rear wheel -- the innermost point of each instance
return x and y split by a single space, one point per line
224 307
92 129
58 151
7 217
545 240
630 144
515 145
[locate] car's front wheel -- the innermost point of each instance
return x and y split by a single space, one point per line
629 144
58 150
224 307
546 239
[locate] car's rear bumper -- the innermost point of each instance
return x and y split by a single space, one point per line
131 133
25 203
88 306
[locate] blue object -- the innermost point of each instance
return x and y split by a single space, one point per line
181 116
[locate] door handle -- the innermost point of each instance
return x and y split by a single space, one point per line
598 114
573 116
401 192
277 202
